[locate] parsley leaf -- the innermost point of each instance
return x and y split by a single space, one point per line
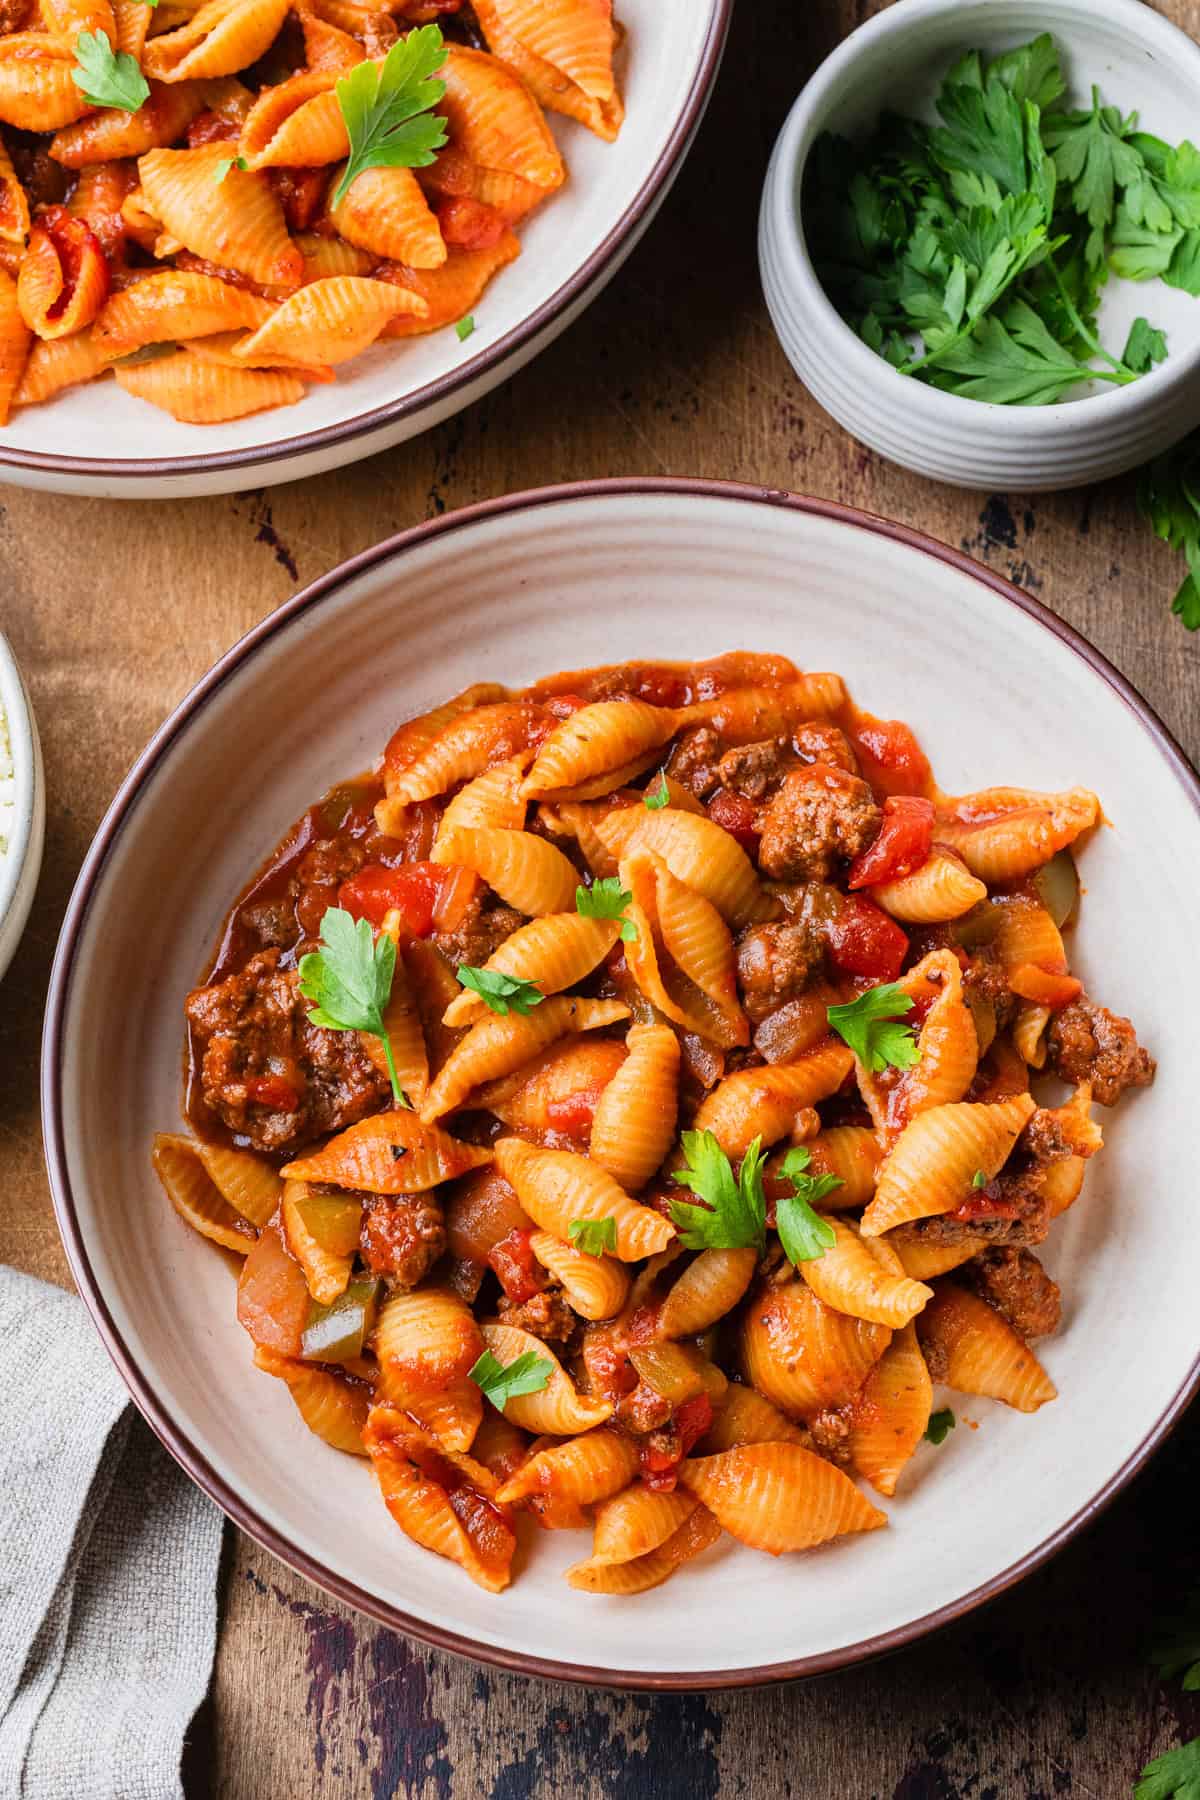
1175 1776
659 797
1091 155
386 108
1177 1650
226 163
503 993
350 980
866 1025
1144 347
464 328
594 1236
528 1373
1169 496
105 78
940 1425
979 1178
607 899
734 1213
805 1237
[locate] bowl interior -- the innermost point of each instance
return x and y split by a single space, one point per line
658 67
1114 48
18 863
510 594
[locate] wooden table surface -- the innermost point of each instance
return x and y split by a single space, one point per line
115 609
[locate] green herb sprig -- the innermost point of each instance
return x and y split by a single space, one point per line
387 108
349 980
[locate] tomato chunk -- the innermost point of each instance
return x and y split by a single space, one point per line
736 815
274 1091
413 890
521 1274
864 941
904 842
889 755
660 1460
468 224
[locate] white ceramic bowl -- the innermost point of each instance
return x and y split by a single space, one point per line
897 61
99 440
554 580
19 865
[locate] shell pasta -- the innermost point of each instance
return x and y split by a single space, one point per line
237 145
621 1107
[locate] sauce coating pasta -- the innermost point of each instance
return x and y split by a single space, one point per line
693 1129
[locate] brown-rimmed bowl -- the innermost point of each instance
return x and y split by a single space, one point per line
99 440
999 691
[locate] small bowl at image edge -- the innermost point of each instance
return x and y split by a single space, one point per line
896 62
21 859
603 572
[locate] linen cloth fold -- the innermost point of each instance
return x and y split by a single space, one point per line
108 1569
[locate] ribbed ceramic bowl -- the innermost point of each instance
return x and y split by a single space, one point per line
998 690
24 831
99 440
896 62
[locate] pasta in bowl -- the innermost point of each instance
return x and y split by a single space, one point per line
622 1101
662 571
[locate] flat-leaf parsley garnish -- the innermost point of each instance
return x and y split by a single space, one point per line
734 1213
105 77
503 993
528 1373
869 1025
940 1425
657 798
805 1236
387 108
607 899
595 1236
350 981
465 327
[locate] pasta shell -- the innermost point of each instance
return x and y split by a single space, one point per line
971 1347
389 1153
406 1038
385 212
577 1473
409 742
746 1417
557 1186
67 18
475 1534
452 291
298 124
746 715
64 275
451 1415
248 1182
779 1497
634 1122
948 1050
850 1152
491 801
572 820
768 1102
329 321
237 222
330 256
53 363
1004 833
173 304
463 745
200 393
634 1522
499 1044
1029 1033
131 22
499 1446
332 1407
924 1258
698 989
559 1090
195 1196
853 1277
596 740
37 92
15 340
942 888
555 951
698 1533
222 37
327 46
932 1165
804 1356
427 1339
327 1275
14 207
527 872
495 121
697 852
596 1286
711 1286
109 133
559 1410
890 1415
563 52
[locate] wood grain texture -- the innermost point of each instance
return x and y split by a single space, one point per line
114 610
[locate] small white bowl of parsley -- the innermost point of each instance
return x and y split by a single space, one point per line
980 239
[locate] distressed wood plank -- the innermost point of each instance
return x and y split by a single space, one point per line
674 370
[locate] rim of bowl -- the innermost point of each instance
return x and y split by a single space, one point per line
591 270
175 1438
17 709
1143 25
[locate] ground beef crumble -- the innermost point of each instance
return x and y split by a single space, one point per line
820 817
480 934
547 1315
775 964
1088 1043
1015 1283
268 1074
402 1238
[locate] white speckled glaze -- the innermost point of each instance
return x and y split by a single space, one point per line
20 865
1141 63
97 439
512 590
